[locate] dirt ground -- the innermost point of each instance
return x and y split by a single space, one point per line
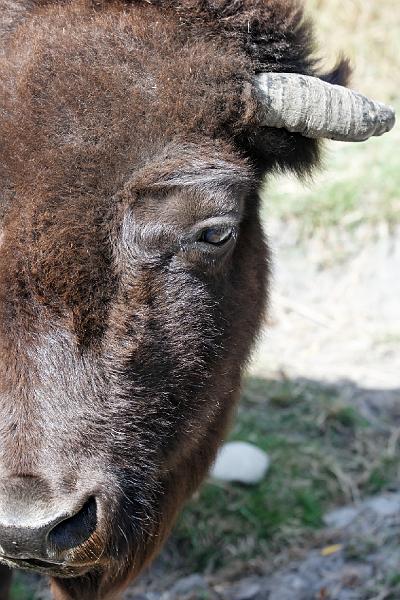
334 307
357 558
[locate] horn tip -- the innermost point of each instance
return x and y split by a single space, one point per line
387 119
392 119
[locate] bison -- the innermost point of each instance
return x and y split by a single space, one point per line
135 136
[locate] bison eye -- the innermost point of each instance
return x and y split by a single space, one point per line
217 236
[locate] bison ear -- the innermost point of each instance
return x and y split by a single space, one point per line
295 111
278 150
340 74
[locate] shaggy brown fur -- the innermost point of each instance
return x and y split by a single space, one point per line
126 129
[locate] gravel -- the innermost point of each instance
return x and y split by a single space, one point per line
355 562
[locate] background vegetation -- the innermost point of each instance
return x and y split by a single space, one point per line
324 453
360 182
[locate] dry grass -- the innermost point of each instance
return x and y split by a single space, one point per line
360 183
368 32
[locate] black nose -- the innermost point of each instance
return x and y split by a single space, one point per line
32 532
73 531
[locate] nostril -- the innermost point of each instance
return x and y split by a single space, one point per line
75 530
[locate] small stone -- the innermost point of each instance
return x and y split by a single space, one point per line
340 518
387 505
241 462
247 589
188 584
291 587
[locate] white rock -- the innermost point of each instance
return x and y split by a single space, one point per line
241 462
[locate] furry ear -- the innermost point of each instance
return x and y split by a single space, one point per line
340 74
272 149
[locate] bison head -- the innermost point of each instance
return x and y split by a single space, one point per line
135 136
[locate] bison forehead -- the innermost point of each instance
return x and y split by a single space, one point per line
105 90
80 117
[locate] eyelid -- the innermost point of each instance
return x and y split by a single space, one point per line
157 238
192 236
192 241
222 222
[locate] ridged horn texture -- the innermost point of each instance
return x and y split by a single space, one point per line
318 109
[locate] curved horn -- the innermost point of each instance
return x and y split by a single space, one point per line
318 109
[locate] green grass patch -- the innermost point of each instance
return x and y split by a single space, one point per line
359 185
382 474
20 590
394 579
323 453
